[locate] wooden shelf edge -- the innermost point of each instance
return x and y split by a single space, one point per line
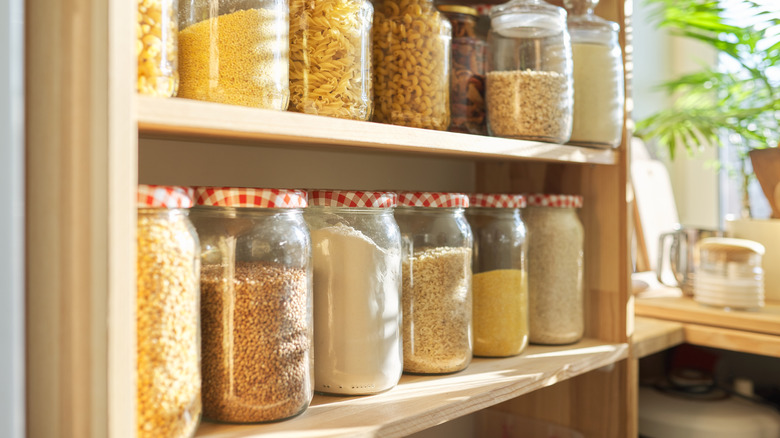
734 340
420 402
654 335
205 121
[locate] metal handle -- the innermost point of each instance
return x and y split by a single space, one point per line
674 258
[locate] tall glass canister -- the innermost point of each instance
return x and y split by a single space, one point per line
157 47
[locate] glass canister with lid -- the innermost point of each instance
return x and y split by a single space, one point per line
256 303
235 52
157 47
555 268
529 80
500 277
167 269
357 291
437 324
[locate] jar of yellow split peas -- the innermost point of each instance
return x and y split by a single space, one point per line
157 47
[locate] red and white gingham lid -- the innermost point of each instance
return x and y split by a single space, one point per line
497 200
352 198
249 197
546 200
433 199
164 196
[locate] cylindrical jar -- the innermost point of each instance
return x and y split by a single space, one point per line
555 269
235 52
357 291
529 81
157 47
500 278
436 298
330 58
411 64
256 303
167 269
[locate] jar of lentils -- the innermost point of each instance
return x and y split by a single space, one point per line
157 47
436 282
555 269
256 303
167 340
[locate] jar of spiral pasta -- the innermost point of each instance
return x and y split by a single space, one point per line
330 58
157 31
411 64
235 52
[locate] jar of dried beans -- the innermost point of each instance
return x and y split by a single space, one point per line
467 77
529 81
330 58
256 303
235 52
436 281
411 51
555 269
167 340
157 31
357 291
500 281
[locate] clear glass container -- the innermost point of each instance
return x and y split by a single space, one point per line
235 52
256 303
437 329
500 276
467 77
357 291
555 269
598 77
729 273
330 58
529 80
411 64
157 47
167 338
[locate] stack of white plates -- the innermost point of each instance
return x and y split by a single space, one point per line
729 273
735 293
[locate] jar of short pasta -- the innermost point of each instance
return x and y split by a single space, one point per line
555 269
437 325
500 276
235 52
330 58
256 301
357 291
167 342
411 64
156 48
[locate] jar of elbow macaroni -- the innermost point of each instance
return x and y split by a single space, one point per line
156 48
411 64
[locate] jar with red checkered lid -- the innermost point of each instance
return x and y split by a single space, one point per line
555 269
256 302
167 342
500 284
357 291
436 281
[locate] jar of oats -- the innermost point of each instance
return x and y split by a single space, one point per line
256 302
500 278
529 80
555 269
167 342
357 291
157 31
235 52
436 282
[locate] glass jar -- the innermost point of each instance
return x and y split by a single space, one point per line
157 47
330 58
357 291
529 80
436 282
729 273
235 52
411 64
598 77
467 77
500 278
168 347
555 269
256 303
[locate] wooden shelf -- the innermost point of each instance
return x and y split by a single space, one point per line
205 121
654 335
419 402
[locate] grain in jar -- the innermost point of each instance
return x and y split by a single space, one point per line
255 303
555 269
156 48
168 403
